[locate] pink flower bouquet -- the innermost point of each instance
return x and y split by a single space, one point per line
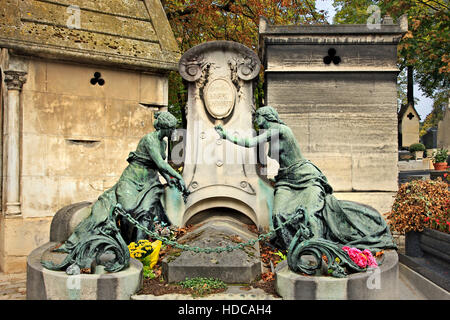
362 258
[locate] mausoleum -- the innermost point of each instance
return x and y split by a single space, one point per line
336 87
408 125
80 81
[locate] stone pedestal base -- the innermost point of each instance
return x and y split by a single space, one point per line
44 284
375 284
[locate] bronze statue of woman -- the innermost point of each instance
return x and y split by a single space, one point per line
138 193
303 192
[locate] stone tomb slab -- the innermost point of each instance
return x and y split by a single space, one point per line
237 266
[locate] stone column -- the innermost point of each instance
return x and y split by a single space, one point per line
14 81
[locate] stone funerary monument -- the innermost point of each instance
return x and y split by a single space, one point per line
218 173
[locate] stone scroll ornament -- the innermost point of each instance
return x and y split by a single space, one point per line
103 236
313 221
219 93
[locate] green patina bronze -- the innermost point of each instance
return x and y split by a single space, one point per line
324 223
138 193
306 218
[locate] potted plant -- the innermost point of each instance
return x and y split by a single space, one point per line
421 211
417 149
440 159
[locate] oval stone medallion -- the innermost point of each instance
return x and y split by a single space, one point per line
220 96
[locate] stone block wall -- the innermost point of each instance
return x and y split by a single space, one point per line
76 136
345 123
343 112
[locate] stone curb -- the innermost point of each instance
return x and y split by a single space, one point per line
223 296
232 293
421 284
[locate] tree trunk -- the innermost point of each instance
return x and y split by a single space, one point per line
410 86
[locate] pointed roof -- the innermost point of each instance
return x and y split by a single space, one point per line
132 34
403 109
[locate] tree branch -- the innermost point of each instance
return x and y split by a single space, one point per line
252 16
226 7
440 4
427 4
313 13
187 11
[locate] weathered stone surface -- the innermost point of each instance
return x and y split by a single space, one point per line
308 57
153 90
381 201
66 219
87 31
18 238
376 284
428 253
237 266
313 115
68 127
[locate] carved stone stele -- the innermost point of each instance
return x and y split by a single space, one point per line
220 76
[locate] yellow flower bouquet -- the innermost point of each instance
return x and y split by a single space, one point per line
145 251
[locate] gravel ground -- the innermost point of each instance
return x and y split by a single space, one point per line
13 286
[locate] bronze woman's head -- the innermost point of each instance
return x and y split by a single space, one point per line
165 120
270 114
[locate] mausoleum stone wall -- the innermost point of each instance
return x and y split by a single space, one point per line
335 86
76 136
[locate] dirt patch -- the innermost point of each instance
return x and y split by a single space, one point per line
158 287
268 287
270 256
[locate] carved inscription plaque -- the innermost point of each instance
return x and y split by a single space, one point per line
220 96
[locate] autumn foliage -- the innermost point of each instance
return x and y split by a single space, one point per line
196 21
424 51
421 204
426 45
